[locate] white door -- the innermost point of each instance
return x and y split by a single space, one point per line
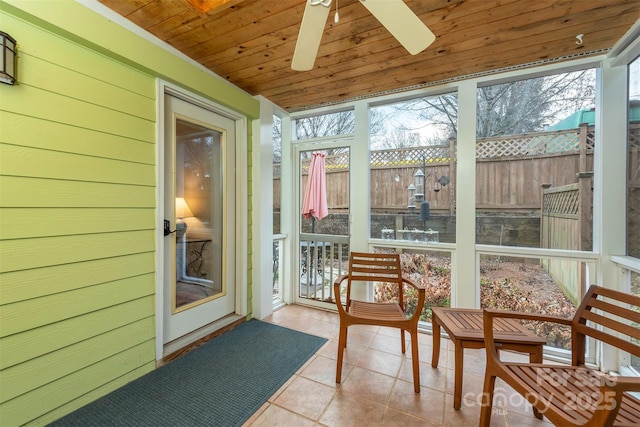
199 227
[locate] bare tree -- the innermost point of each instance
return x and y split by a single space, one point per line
401 137
340 123
515 107
412 124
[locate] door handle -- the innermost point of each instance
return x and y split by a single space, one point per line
167 227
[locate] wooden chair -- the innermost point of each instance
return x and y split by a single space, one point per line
574 395
385 268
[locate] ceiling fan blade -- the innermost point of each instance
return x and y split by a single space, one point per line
311 29
402 23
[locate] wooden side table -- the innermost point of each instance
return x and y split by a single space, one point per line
464 327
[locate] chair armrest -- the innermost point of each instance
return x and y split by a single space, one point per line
421 298
337 284
419 288
620 384
610 400
339 280
491 313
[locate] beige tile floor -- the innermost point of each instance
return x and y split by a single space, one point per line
377 382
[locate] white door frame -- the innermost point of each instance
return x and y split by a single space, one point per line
241 251
321 144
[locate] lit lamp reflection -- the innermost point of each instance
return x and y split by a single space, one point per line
182 212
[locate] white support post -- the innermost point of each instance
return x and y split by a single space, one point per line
465 291
262 212
609 194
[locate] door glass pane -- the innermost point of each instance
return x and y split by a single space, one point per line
276 132
277 172
335 176
324 233
198 185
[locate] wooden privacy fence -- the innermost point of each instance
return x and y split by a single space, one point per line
566 223
510 170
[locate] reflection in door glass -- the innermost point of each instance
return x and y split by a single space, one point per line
198 214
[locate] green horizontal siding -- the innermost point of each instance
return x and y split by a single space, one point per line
46 193
78 206
78 229
23 378
37 312
86 88
19 348
42 133
50 397
31 101
17 160
23 254
25 284
22 223
92 395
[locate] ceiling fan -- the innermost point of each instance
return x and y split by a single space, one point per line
394 15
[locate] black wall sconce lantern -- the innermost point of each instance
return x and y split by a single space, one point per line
7 59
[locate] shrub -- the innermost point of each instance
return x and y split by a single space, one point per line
434 274
506 296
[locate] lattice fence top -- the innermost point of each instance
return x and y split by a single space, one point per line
529 144
532 144
564 200
339 161
387 158
591 139
411 156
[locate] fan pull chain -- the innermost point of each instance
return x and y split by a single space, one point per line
337 17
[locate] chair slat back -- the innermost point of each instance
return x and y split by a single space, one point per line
611 317
375 267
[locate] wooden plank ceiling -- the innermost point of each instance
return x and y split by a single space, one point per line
251 42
